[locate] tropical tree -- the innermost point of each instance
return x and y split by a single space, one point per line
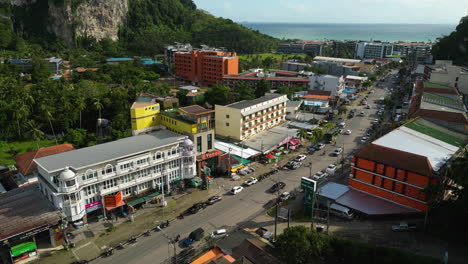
301 134
98 105
328 126
218 95
243 91
318 133
263 87
21 112
34 128
342 109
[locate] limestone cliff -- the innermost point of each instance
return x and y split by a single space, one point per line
68 19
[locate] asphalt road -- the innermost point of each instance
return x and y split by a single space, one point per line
234 210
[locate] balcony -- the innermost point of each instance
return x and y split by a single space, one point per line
261 123
267 113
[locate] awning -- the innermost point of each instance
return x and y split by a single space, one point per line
244 153
294 141
237 168
108 208
269 156
22 248
145 198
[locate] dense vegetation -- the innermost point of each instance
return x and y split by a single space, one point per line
150 25
454 46
299 244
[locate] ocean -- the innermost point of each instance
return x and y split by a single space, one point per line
367 32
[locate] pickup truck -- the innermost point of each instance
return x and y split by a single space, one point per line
403 227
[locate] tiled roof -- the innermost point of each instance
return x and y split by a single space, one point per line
319 92
195 110
396 158
25 162
313 96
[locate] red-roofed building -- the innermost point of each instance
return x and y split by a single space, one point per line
25 162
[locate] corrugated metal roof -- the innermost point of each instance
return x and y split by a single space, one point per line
24 209
333 190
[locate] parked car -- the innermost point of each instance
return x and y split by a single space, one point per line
404 227
250 181
348 132
196 207
277 186
364 139
311 149
295 165
368 106
331 169
342 124
318 176
284 196
319 146
214 199
219 233
300 158
351 115
236 189
362 114
337 152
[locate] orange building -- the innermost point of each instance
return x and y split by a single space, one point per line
392 174
205 67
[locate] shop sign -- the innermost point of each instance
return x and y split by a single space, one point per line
209 155
113 200
93 206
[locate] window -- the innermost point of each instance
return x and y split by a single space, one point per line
227 116
210 141
199 144
174 151
89 190
227 124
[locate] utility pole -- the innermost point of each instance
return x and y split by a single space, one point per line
310 169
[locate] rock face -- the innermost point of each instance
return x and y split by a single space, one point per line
98 19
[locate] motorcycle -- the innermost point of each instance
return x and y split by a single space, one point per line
133 239
147 233
120 246
109 252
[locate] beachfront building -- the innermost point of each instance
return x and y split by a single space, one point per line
205 67
247 118
373 50
100 179
398 166
301 47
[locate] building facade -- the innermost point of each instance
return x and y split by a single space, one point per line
398 166
205 67
330 83
301 47
372 50
247 118
99 179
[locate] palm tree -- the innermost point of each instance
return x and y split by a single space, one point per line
49 118
318 133
98 105
80 105
328 126
301 134
36 133
19 114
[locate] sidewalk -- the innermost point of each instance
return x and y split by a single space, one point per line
92 239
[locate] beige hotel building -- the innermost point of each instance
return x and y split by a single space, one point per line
244 119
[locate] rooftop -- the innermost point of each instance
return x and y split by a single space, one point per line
195 110
428 128
442 102
321 58
405 139
25 164
435 85
24 209
319 97
85 157
248 103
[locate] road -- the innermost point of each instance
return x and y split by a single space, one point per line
235 210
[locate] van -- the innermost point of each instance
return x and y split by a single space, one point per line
219 233
341 211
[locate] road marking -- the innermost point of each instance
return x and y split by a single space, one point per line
82 246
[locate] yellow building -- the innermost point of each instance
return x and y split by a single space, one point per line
144 114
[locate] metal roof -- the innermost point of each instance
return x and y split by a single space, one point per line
249 103
24 209
333 190
85 157
409 140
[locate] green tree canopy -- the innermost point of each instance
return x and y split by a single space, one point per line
263 87
218 94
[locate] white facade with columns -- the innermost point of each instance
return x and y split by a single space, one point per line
75 180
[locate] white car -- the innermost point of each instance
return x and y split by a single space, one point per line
362 114
250 181
236 189
219 233
342 124
285 196
300 158
331 169
348 132
318 176
320 146
364 139
337 152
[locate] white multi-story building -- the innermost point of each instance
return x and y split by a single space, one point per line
333 84
372 50
247 118
78 181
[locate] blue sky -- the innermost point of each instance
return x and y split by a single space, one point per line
339 11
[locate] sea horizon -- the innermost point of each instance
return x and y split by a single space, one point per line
390 32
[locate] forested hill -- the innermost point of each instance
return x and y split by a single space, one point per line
141 27
454 46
